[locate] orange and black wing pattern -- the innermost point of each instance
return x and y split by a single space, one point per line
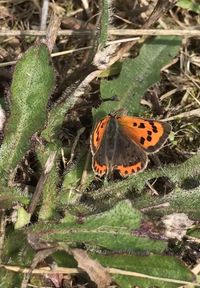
148 134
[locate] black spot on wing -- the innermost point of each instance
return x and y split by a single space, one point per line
149 138
142 125
142 140
155 130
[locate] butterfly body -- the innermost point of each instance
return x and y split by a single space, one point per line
122 143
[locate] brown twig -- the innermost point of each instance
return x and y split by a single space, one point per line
41 182
79 133
39 256
162 6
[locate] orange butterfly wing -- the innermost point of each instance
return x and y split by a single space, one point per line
99 168
98 133
148 134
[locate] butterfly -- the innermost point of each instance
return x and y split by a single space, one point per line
122 143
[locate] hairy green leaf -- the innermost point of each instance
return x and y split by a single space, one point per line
109 230
9 195
178 200
32 84
49 191
151 265
15 252
10 279
23 218
15 249
195 232
69 195
138 74
104 23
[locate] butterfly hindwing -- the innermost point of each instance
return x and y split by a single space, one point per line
99 168
148 134
128 158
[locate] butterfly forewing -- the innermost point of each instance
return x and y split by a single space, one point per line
99 162
150 135
98 134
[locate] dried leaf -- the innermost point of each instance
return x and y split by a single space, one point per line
97 273
176 225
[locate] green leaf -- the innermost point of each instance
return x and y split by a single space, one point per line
15 252
15 249
195 232
9 195
56 118
69 195
23 218
63 259
49 191
10 279
179 200
112 70
33 81
109 230
105 9
151 265
189 5
138 74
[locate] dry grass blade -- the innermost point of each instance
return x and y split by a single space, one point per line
193 113
44 14
52 31
114 271
40 184
192 32
2 232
